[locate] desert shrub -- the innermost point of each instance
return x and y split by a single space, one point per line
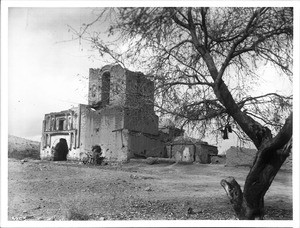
152 161
73 208
75 213
27 153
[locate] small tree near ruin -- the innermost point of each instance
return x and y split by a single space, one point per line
204 62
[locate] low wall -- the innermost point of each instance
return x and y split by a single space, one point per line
238 156
191 152
184 153
215 159
204 152
144 145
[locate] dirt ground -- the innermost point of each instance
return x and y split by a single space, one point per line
47 190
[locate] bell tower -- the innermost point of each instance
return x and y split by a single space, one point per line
99 88
94 95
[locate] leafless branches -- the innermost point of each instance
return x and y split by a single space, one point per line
189 50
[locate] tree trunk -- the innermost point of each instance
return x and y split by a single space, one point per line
258 182
270 155
269 158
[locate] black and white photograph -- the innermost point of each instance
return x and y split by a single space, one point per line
150 113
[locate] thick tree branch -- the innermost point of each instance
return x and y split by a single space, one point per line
269 159
252 128
179 45
247 99
176 19
250 203
263 119
203 117
190 67
169 84
204 27
243 37
282 138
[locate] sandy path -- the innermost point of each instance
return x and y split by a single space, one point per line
43 190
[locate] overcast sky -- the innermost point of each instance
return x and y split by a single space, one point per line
46 69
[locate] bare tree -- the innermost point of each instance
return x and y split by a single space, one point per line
204 63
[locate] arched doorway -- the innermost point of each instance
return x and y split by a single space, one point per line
61 150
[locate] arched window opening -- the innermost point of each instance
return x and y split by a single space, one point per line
105 88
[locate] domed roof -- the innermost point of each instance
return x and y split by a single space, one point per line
187 139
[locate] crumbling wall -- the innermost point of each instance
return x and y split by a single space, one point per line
139 121
188 151
139 106
51 134
107 83
89 125
105 128
216 159
144 145
238 156
204 152
139 92
95 84
182 152
114 136
118 86
187 154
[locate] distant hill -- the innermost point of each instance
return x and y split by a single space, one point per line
20 148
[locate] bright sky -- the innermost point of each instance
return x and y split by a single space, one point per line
44 71
45 68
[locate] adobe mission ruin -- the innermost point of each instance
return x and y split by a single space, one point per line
120 118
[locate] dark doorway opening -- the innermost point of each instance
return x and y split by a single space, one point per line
105 88
61 150
61 124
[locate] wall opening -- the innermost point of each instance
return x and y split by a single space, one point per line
105 88
94 91
61 150
48 123
61 123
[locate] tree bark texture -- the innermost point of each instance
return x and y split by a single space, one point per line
271 153
269 158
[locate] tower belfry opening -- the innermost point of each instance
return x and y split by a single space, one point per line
105 88
61 123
